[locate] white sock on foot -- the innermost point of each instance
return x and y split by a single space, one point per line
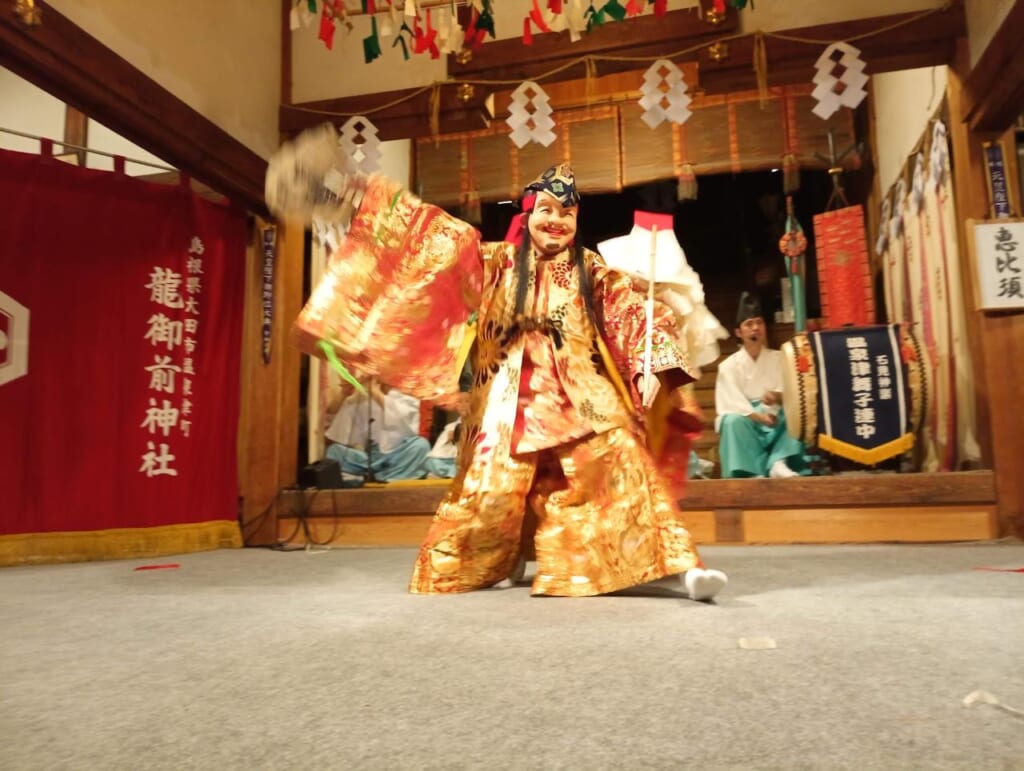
780 470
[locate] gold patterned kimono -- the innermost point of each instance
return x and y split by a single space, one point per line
548 425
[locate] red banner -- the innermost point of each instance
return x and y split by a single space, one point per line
120 320
844 272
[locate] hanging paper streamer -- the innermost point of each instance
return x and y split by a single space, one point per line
481 24
882 242
844 58
530 116
594 17
555 18
327 28
400 36
371 43
634 8
614 10
359 140
535 18
664 94
577 20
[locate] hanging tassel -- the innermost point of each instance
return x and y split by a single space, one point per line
435 114
687 190
591 77
790 174
471 211
761 68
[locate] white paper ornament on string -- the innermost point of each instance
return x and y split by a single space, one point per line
840 80
576 20
664 94
938 163
529 116
359 141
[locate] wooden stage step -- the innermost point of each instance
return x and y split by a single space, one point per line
868 508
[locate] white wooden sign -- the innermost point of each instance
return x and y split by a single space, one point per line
999 263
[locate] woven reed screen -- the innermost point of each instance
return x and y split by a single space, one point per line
610 146
810 134
488 162
438 171
647 154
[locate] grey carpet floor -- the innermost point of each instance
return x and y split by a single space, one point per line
255 659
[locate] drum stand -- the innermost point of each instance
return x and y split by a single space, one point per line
370 477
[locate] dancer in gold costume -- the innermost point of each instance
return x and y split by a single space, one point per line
553 414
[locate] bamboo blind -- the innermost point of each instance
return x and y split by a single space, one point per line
610 147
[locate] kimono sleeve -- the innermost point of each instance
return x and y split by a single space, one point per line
624 314
396 295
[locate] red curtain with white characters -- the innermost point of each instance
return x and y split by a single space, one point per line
122 305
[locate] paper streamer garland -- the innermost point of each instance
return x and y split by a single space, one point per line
664 94
359 141
530 116
846 89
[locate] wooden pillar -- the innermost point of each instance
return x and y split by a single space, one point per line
268 428
997 339
76 131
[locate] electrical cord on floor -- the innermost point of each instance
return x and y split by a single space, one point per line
304 521
301 521
334 528
245 526
280 544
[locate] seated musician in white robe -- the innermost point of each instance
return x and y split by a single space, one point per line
379 431
753 441
440 463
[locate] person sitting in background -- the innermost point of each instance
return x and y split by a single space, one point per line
698 467
440 462
379 431
748 402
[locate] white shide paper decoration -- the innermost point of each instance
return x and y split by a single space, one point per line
664 94
359 140
530 116
843 90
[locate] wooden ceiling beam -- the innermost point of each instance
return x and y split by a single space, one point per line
994 91
609 89
60 58
644 36
509 60
410 117
927 41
